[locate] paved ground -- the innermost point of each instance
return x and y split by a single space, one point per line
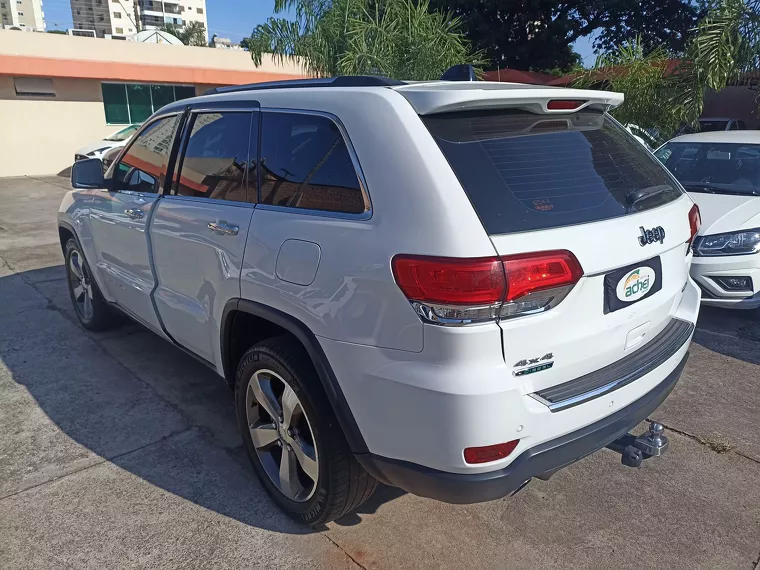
117 450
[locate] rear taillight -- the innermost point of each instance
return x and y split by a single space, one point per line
464 291
695 222
537 282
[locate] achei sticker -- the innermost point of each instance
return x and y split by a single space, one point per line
636 284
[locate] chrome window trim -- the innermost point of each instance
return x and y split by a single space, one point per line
204 200
367 214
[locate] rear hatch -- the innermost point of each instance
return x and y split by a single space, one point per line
565 178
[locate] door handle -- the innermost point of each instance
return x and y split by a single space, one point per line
134 213
223 228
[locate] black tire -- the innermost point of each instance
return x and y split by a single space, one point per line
98 315
342 484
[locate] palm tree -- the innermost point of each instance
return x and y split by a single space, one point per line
725 48
191 34
396 38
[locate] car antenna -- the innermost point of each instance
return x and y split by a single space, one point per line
461 72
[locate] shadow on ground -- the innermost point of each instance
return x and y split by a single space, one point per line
733 333
126 396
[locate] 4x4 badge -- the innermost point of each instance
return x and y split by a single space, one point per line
533 365
651 236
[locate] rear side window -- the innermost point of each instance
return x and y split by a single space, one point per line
143 166
217 159
524 172
305 164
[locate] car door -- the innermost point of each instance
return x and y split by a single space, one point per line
198 231
120 215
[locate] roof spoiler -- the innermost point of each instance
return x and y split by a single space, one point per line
461 72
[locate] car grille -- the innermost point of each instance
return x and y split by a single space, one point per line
620 373
79 157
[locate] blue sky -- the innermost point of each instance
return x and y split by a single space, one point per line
232 19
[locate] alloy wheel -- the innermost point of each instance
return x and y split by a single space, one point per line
282 435
81 285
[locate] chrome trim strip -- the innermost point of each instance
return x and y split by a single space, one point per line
320 213
672 338
203 200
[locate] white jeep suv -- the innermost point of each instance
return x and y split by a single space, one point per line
450 287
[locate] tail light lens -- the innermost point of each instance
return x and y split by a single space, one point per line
452 291
695 222
490 452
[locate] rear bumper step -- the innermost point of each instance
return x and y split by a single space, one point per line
621 373
540 461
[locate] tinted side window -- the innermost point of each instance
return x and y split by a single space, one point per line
143 167
216 160
305 164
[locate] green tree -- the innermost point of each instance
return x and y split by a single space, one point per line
663 93
725 47
192 34
646 80
397 38
538 34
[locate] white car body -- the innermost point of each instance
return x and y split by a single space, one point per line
98 148
412 389
725 214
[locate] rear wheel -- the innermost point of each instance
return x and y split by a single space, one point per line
91 309
291 435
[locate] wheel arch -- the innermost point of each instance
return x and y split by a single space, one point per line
65 233
275 320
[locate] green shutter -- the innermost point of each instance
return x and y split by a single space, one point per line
140 107
183 92
115 103
162 95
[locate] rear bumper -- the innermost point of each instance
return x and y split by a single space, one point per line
543 459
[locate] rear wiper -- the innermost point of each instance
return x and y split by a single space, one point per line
638 195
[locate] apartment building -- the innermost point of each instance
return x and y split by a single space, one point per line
155 13
22 15
118 19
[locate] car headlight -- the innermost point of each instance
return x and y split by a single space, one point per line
735 243
98 151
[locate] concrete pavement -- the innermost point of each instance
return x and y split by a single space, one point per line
117 450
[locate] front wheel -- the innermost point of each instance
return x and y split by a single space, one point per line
292 437
90 306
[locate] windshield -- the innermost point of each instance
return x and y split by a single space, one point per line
524 171
710 126
717 168
123 134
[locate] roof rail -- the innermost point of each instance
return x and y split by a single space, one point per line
340 81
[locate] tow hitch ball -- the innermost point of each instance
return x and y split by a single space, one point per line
635 449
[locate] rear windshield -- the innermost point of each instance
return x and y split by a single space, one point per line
525 172
715 168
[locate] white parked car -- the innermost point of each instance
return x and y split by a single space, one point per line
721 172
450 287
98 148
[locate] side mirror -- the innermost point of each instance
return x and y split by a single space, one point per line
87 173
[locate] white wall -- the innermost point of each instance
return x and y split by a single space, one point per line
40 136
